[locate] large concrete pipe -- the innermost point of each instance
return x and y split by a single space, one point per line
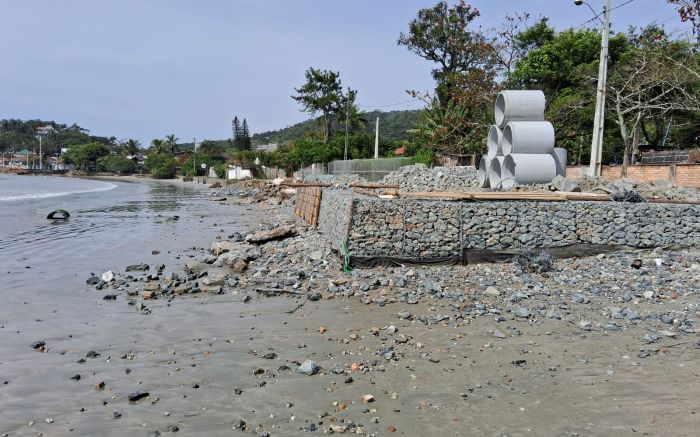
495 172
528 137
526 168
517 105
484 167
493 142
561 156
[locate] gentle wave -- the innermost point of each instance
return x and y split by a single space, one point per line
46 195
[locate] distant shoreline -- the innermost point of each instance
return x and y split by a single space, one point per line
136 179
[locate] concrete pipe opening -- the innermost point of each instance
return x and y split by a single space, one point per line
493 142
519 105
507 173
525 169
495 172
484 167
528 137
561 156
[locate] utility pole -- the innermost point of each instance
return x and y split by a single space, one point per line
598 121
41 160
194 156
347 123
376 139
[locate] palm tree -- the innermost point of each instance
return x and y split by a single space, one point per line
357 118
158 146
132 147
171 143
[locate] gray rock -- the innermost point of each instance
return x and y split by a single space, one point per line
651 338
431 286
308 367
562 184
522 313
405 315
579 298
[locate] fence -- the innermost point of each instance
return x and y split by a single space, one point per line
372 170
308 204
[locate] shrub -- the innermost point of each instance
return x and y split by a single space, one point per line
423 156
116 164
220 170
161 165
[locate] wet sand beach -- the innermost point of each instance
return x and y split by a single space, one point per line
523 357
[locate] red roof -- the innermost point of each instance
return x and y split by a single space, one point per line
400 151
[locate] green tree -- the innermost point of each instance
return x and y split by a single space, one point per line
350 112
456 116
161 165
132 147
564 66
322 94
84 156
214 149
171 143
237 134
158 146
245 136
116 164
443 35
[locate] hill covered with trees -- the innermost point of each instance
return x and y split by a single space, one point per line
393 126
22 134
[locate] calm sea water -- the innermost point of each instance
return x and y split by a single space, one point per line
111 224
43 295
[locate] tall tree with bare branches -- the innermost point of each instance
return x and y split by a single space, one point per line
652 83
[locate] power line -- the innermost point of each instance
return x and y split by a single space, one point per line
598 17
621 5
386 106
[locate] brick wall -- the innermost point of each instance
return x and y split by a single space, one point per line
682 175
688 175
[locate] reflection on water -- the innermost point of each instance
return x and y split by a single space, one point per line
120 214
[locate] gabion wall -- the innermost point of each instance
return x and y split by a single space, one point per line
428 229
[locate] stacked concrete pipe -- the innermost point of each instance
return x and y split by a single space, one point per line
521 143
496 172
484 165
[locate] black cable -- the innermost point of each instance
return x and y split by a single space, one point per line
598 17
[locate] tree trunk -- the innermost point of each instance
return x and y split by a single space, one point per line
327 123
625 138
635 143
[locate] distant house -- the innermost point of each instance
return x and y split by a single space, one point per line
22 159
270 147
400 151
57 164
44 130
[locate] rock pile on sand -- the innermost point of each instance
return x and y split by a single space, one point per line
421 178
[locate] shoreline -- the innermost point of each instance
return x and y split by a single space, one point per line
469 350
136 179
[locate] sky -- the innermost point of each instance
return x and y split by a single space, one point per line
147 68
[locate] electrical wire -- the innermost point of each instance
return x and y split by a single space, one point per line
386 106
597 17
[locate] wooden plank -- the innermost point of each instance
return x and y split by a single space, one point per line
586 196
371 185
447 195
365 192
518 195
304 184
